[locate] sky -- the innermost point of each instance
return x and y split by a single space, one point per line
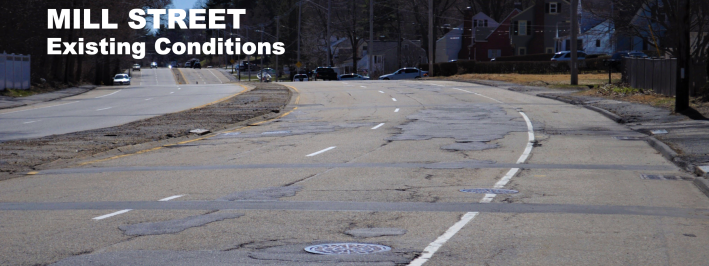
183 4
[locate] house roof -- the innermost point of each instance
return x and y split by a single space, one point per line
481 33
509 17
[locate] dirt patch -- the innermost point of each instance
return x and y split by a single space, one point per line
21 156
624 93
541 80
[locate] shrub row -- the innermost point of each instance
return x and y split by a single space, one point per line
545 67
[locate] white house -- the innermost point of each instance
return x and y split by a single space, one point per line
595 40
448 47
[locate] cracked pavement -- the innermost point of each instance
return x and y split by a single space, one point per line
330 172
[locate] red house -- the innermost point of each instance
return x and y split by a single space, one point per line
492 43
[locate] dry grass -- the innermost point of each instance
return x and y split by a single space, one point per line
552 80
644 97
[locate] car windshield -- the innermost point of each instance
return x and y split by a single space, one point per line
121 76
558 55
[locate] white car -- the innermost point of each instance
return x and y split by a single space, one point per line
566 56
405 73
121 79
353 77
300 77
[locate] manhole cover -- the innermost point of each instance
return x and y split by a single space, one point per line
346 248
628 138
666 177
275 132
489 191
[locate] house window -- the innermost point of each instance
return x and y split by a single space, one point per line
494 53
481 23
553 8
598 43
522 27
522 51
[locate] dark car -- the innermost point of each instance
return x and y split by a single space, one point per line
324 73
196 65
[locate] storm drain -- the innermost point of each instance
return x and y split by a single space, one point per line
666 177
489 191
628 138
346 248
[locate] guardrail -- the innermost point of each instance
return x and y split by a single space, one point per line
14 71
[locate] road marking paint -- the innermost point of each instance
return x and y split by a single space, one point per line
319 152
393 99
39 108
171 198
104 109
32 173
378 126
172 92
179 89
29 122
381 92
435 245
363 86
111 214
396 111
148 99
109 94
220 81
478 94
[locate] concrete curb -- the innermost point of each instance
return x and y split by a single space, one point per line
556 97
702 184
88 88
605 113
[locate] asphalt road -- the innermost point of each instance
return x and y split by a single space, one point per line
372 163
152 92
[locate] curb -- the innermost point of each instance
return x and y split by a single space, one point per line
703 185
89 88
605 113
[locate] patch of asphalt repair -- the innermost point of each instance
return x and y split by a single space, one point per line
176 226
375 232
489 121
270 193
21 156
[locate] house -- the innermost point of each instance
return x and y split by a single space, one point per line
386 59
595 40
475 27
448 46
534 29
493 43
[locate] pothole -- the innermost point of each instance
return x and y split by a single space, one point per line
346 248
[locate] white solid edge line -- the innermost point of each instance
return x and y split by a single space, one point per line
378 126
104 109
435 245
171 198
396 111
319 152
112 214
38 108
109 94
393 99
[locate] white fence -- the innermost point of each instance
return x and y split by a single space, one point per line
14 71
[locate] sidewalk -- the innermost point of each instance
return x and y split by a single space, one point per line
12 102
685 142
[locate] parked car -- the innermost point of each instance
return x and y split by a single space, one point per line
121 79
196 65
153 65
566 56
325 73
405 73
188 64
300 77
353 77
136 67
623 54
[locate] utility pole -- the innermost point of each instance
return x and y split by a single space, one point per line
261 71
248 57
300 13
278 27
329 8
430 38
574 42
683 56
370 47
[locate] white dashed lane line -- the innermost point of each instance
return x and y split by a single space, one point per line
396 111
393 99
381 92
441 240
148 99
111 214
104 109
171 198
378 126
30 122
109 94
319 152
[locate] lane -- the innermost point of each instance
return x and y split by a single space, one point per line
579 194
110 106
